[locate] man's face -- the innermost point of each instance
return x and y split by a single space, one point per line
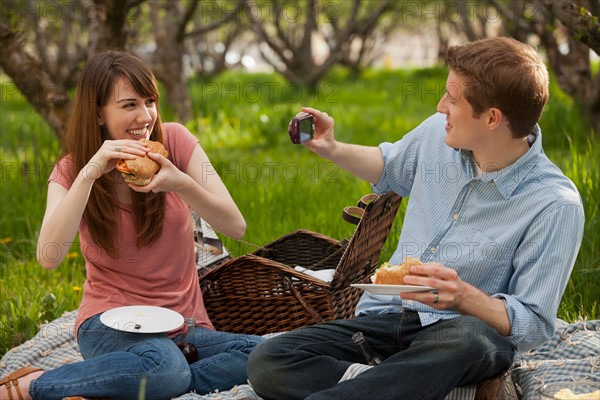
463 131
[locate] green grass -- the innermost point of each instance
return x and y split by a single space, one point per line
241 120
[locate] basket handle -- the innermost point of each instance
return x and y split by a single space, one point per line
353 214
287 283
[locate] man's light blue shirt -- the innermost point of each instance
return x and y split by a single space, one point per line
514 233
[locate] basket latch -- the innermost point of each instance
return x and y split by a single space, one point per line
387 207
207 288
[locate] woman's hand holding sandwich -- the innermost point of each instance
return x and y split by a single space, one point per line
111 151
168 178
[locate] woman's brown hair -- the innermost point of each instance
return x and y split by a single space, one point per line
506 74
84 136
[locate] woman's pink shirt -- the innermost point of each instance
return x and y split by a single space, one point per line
162 274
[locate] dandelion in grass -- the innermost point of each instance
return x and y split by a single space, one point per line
77 289
71 256
6 240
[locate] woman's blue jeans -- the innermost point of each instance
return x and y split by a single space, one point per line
120 365
420 362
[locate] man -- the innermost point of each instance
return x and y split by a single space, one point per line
495 223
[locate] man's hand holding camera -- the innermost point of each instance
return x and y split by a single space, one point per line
323 132
366 162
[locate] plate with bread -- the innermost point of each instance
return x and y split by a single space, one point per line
389 279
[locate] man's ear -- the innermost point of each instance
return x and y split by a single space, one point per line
494 118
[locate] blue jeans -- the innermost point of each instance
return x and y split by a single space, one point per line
120 365
420 362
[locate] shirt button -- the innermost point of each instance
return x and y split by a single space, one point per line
409 302
455 217
433 250
494 183
471 183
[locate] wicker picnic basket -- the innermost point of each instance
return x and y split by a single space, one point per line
262 293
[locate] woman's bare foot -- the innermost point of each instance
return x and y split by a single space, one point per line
17 385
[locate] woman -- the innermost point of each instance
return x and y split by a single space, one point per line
137 242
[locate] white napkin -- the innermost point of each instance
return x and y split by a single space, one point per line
326 275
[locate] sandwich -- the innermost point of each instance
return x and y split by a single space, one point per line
394 274
141 170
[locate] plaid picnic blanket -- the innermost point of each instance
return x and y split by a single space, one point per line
573 354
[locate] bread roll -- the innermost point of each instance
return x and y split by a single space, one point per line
394 274
141 170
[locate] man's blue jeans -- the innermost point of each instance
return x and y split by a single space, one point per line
117 364
420 362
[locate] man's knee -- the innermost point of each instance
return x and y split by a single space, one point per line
471 338
266 368
462 334
258 364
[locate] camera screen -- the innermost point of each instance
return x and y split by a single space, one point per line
306 129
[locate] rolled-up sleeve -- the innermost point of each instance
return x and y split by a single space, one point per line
542 266
383 185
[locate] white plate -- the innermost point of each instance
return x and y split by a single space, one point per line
142 319
390 289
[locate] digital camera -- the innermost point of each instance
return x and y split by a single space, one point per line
302 128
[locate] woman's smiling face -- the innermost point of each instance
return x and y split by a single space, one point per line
127 115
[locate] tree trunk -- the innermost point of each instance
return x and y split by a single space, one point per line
47 97
574 75
168 62
34 78
108 30
167 59
573 70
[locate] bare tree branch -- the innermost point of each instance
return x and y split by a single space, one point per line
170 33
356 30
230 16
292 42
282 35
584 26
185 19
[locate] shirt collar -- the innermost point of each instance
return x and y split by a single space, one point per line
508 179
